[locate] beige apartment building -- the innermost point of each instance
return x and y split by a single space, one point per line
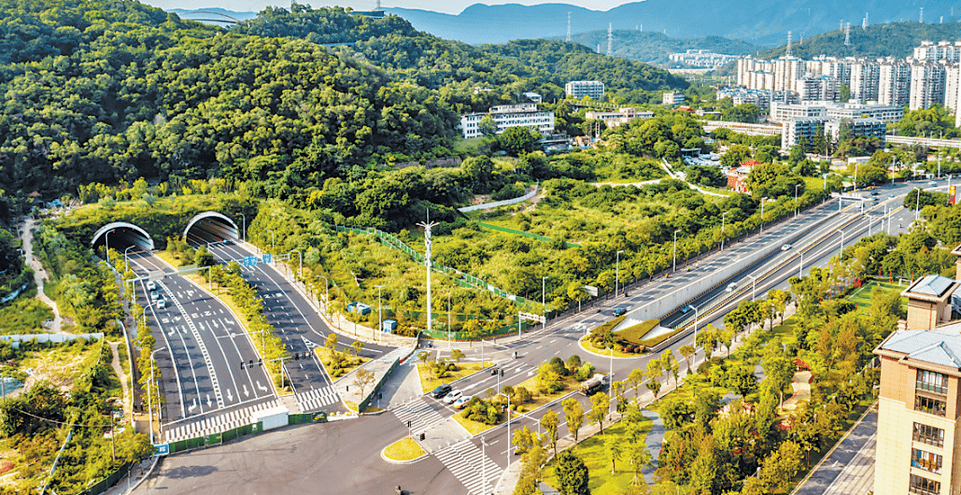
919 436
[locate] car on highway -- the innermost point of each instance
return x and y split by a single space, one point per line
785 247
162 303
155 295
462 401
451 397
891 197
441 390
932 183
730 287
619 311
151 285
685 309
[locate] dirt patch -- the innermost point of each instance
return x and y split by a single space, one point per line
6 467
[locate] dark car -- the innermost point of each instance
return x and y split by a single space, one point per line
440 391
619 311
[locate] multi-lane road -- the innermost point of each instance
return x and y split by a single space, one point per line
202 344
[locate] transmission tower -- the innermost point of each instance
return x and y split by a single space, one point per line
787 52
921 18
864 22
568 27
427 261
847 34
378 6
610 40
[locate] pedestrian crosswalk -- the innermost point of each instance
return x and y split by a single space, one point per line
217 424
420 415
317 398
471 467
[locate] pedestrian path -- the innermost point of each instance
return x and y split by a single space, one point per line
857 478
471 467
217 424
420 415
317 398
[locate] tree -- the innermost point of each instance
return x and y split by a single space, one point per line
613 449
574 415
331 342
687 351
356 346
363 379
548 379
524 440
457 355
550 422
639 457
635 378
573 474
518 140
487 126
600 405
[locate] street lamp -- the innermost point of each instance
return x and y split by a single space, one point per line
855 177
917 205
106 243
617 272
380 310
795 199
722 229
675 250
326 292
695 332
126 263
149 395
841 250
272 239
543 304
800 265
762 214
301 257
753 287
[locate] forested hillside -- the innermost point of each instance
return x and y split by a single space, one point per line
655 47
896 39
99 91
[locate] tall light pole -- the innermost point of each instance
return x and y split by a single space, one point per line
917 206
795 199
855 177
762 214
245 227
484 456
448 321
272 239
326 293
617 272
149 395
301 257
753 287
427 261
675 250
380 310
722 229
841 249
543 300
939 163
695 332
126 262
800 265
106 243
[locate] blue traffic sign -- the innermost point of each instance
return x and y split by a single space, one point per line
267 258
249 261
162 449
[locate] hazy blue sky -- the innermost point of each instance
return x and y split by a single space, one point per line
448 6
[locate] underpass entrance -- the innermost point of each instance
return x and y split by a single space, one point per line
121 237
211 226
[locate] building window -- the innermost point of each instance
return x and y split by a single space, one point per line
924 486
926 461
929 435
929 405
933 382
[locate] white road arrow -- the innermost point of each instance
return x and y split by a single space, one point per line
230 396
193 406
246 392
209 404
261 387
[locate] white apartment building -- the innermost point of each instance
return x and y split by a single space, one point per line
858 126
894 82
808 127
793 129
944 50
673 98
580 89
952 80
781 112
865 81
820 88
927 85
507 116
621 116
787 71
885 113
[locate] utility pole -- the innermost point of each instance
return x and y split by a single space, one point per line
427 262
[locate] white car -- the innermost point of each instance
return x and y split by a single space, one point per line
462 401
162 303
730 287
155 296
151 285
785 247
451 397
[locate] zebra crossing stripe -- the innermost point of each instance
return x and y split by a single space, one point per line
217 424
469 465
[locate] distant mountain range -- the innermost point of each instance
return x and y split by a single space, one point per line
764 22
896 39
652 47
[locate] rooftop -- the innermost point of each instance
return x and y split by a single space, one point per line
939 346
934 286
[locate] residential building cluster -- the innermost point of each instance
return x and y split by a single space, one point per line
931 75
579 89
701 58
621 116
507 116
920 393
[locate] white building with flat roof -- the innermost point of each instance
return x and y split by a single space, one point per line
621 116
507 116
580 89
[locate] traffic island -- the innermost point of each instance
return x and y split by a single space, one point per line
403 451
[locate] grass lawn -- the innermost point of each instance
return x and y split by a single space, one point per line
325 355
538 399
428 382
25 314
862 296
473 427
602 482
404 449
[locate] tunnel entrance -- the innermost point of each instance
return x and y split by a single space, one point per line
210 226
121 237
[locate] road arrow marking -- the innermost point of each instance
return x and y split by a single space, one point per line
261 387
230 396
194 406
209 404
246 392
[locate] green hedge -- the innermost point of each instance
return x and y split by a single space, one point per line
635 334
